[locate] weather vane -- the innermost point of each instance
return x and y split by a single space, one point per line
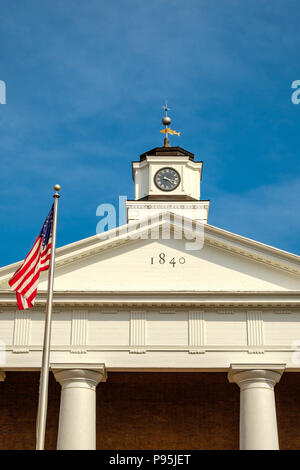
165 108
166 120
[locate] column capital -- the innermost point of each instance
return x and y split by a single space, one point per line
246 375
2 375
79 375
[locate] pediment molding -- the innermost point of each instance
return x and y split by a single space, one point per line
168 221
253 256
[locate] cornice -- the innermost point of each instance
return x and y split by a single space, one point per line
251 249
163 299
248 242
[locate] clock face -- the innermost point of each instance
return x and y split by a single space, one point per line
167 179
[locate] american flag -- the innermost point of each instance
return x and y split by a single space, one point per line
25 280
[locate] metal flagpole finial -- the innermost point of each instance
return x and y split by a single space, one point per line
56 188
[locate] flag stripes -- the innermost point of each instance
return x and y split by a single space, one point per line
25 280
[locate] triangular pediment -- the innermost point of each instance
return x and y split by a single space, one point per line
128 259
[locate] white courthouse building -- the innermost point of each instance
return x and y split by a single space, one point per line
167 333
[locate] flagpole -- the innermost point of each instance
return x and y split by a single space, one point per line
44 376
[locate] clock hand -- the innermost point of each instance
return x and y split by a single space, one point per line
168 179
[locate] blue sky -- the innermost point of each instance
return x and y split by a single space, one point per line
85 84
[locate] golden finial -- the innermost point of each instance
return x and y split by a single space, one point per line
56 188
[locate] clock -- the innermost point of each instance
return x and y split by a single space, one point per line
167 179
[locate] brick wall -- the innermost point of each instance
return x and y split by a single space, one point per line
148 411
167 411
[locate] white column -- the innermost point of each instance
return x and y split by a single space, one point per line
77 416
258 422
